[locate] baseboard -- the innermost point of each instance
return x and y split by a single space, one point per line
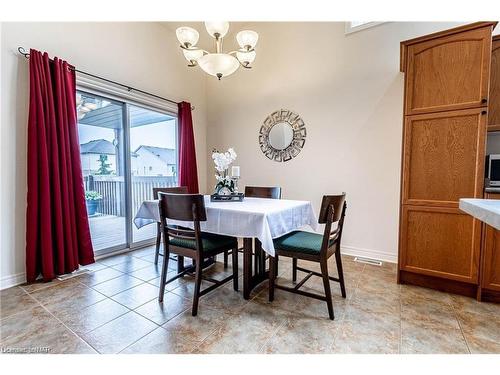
369 253
12 280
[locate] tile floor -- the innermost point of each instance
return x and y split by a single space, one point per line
114 309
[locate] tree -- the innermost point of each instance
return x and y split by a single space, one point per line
103 165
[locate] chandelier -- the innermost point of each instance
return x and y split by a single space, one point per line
218 64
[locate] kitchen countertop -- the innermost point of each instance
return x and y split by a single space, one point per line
486 210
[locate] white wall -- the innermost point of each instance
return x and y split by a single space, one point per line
349 91
143 55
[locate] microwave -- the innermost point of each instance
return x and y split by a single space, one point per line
493 169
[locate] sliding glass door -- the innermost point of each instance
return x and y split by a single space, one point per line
126 150
153 145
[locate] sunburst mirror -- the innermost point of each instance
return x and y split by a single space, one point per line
282 135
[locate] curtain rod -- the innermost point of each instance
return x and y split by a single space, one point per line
23 52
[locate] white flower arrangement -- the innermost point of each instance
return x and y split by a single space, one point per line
222 161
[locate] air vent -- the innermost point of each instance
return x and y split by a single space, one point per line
373 262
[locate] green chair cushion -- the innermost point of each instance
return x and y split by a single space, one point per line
211 242
299 242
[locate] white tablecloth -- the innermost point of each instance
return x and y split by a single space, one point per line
264 219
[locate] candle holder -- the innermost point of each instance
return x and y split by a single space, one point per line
235 181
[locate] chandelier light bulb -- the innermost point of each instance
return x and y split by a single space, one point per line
247 39
187 36
217 29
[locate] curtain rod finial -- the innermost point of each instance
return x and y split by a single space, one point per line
23 52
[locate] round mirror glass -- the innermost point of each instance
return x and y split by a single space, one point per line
281 135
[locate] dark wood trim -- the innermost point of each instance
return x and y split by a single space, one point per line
443 285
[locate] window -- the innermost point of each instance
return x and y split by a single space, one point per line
354 26
127 147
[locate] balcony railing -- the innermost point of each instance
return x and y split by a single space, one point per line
112 189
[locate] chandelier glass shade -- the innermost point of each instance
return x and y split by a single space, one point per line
217 29
187 36
218 64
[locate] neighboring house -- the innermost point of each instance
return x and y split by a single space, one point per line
146 160
154 161
90 153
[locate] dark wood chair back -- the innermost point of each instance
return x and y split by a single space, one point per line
183 207
173 190
273 192
333 202
332 211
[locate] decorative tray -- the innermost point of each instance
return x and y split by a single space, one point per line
237 197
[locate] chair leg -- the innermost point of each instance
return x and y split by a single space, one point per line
197 286
226 258
326 284
158 241
235 268
164 271
338 260
273 261
294 269
180 264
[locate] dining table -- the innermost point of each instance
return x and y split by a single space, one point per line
256 220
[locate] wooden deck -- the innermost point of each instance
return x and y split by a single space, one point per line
109 230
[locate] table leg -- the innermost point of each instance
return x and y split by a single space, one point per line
262 257
256 263
252 279
247 267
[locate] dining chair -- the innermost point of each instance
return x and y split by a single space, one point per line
315 248
156 190
192 243
272 192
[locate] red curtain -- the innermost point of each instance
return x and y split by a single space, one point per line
188 173
57 226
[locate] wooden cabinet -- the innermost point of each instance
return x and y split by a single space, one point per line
494 107
449 72
444 137
441 242
490 261
443 157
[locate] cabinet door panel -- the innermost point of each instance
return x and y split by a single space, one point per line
494 102
490 270
448 73
441 242
443 157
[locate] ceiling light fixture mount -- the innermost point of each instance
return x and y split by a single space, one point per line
218 64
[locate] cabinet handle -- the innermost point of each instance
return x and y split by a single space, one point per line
484 101
483 112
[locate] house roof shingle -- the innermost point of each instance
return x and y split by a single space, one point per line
167 155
